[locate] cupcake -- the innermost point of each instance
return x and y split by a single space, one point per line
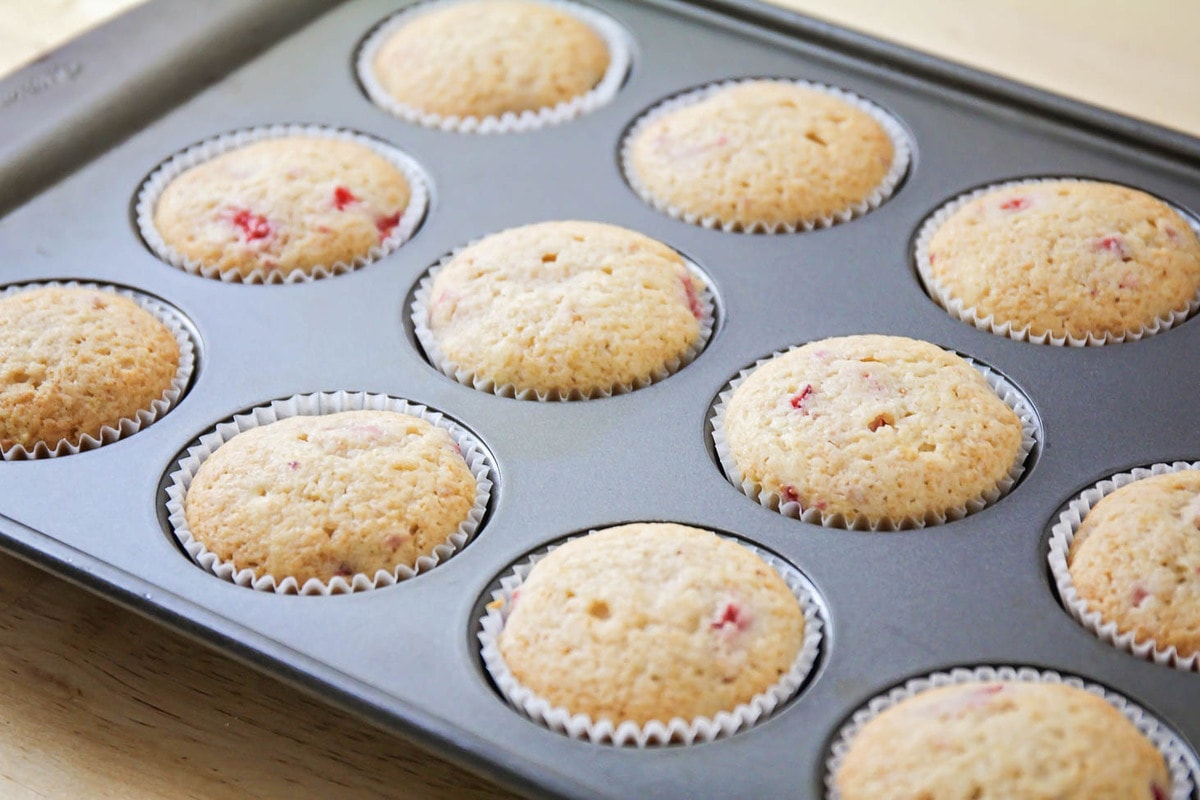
493 65
314 498
1059 261
1002 739
765 155
871 431
79 366
562 310
276 205
648 624
1132 566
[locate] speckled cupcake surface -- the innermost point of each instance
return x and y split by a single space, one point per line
1136 560
1000 741
75 360
762 152
283 205
329 495
480 59
562 308
881 428
651 621
1067 258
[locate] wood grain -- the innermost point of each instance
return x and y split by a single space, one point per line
96 702
1138 58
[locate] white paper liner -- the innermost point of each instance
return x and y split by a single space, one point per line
1181 762
676 730
153 187
477 457
958 309
1061 537
901 157
467 377
1030 435
616 39
127 426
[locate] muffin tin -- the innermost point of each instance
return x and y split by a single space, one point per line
898 605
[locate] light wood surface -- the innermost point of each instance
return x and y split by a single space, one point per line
96 702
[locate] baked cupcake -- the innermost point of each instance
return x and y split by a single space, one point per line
1135 561
512 63
765 155
327 496
1062 261
277 205
563 310
871 431
81 364
1002 739
650 623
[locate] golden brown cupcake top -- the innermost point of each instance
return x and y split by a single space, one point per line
1067 258
1002 740
330 495
480 59
565 308
651 621
877 430
272 207
75 360
1136 560
761 153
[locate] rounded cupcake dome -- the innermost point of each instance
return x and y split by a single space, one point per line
1135 559
875 431
486 59
75 360
563 309
282 207
651 621
1064 258
1002 739
763 154
322 496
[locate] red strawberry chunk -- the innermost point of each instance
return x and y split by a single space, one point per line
387 224
693 300
731 616
253 226
1016 204
343 197
1116 245
798 399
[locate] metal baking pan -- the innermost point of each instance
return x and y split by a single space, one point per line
82 128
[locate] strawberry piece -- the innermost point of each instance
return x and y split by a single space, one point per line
693 300
387 224
343 197
253 226
798 399
1016 204
1116 245
731 617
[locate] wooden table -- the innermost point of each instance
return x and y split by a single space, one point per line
96 702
